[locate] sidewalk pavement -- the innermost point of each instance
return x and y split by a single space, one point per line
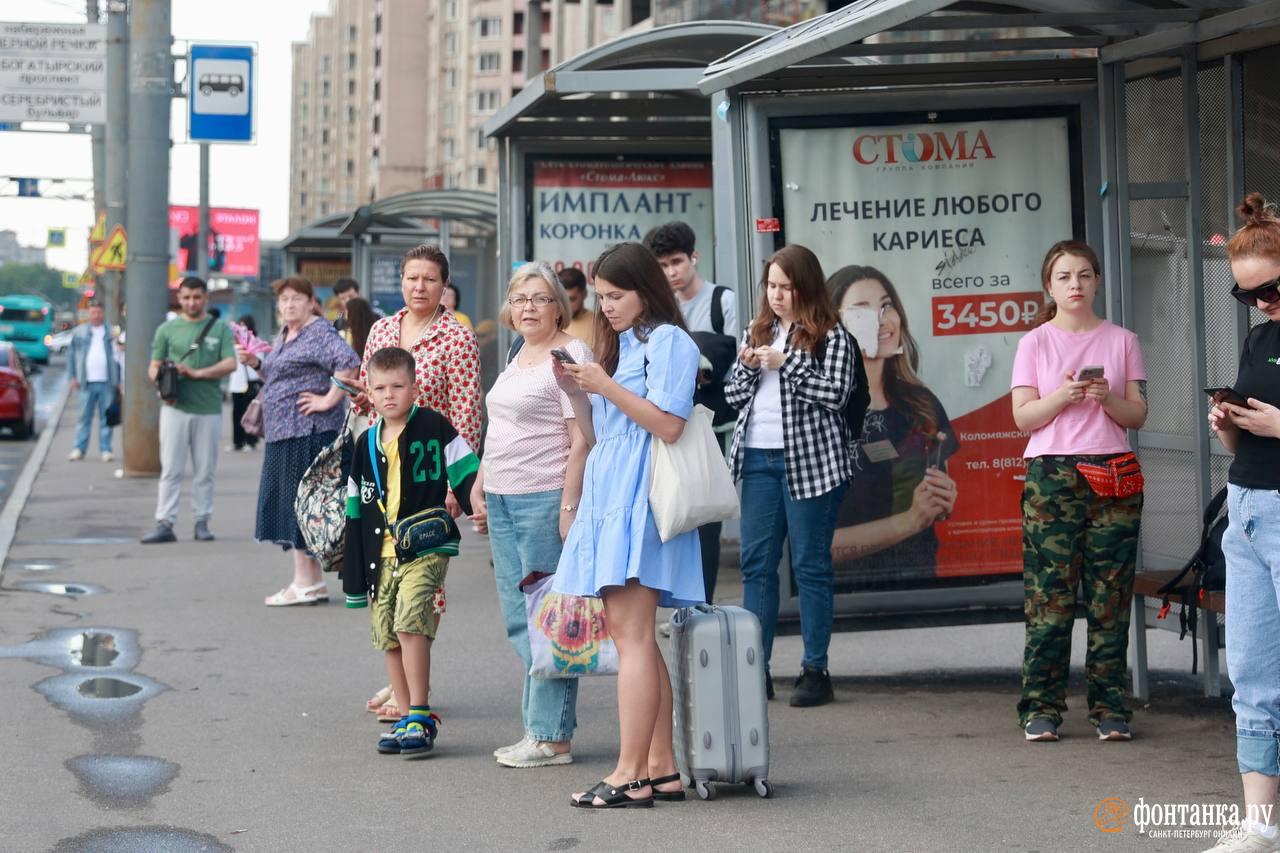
248 731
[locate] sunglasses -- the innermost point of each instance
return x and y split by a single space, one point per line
1268 293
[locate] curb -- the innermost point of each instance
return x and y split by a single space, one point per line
17 502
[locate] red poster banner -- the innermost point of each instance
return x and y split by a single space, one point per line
233 240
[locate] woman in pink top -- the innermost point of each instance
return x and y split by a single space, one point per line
1078 385
528 489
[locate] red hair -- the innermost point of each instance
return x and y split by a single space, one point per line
1260 234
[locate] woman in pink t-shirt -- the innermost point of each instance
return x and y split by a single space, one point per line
1078 385
527 493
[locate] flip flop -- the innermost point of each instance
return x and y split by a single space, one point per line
378 700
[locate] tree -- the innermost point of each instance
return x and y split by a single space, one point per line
38 280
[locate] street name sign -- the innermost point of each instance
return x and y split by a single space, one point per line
53 72
220 93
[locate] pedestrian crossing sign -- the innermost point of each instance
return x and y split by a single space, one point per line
115 251
57 238
70 280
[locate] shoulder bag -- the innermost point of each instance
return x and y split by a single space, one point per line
167 376
422 532
689 482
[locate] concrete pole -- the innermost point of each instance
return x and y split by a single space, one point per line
97 138
117 140
202 236
150 96
532 40
557 32
588 24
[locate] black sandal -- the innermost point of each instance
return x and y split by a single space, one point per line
614 798
668 796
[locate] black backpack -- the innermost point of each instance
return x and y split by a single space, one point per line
855 408
1207 569
719 349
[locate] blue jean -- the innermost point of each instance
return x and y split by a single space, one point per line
1251 545
770 515
524 533
94 397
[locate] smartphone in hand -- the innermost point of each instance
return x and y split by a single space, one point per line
562 355
1089 373
348 388
1226 395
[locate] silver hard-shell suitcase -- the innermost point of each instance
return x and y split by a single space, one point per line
721 726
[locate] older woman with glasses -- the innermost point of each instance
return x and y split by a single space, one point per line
528 489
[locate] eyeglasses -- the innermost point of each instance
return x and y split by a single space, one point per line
1268 293
540 301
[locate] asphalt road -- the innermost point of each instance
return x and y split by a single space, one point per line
161 707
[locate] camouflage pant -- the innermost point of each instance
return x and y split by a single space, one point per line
1071 537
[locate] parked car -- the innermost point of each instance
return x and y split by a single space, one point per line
17 396
60 342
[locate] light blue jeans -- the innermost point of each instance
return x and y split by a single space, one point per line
769 516
94 397
1251 545
524 533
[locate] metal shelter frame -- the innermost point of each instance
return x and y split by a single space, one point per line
1081 53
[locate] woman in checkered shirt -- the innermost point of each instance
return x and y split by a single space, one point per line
791 450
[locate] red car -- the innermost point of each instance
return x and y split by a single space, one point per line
17 397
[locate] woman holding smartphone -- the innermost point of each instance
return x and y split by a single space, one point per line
1250 429
791 451
1073 531
639 391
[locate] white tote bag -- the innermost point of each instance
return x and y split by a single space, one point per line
690 484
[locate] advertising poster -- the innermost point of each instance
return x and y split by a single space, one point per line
949 223
233 240
580 208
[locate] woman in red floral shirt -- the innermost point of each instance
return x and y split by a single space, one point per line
447 359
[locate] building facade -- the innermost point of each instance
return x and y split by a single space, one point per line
13 252
391 96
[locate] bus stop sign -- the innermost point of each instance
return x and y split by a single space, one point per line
220 90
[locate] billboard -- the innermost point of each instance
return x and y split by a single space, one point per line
949 222
233 240
579 208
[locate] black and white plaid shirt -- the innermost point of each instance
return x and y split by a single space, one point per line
815 435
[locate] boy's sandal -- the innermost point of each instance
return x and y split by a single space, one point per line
668 796
379 699
613 798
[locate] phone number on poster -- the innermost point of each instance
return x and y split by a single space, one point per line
980 315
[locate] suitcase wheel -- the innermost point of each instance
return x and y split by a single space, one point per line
763 788
706 790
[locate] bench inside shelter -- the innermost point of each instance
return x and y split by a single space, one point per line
1147 601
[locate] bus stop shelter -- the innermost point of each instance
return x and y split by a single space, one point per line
948 145
610 143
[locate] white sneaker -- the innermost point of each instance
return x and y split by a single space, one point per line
1244 839
75 456
503 750
534 754
108 457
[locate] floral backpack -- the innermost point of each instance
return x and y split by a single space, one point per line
321 503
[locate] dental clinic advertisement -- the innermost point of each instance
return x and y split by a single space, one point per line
956 217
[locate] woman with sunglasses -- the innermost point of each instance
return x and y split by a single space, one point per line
1078 384
1251 543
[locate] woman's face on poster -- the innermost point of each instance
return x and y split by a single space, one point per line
869 293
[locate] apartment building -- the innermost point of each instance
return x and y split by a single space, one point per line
391 96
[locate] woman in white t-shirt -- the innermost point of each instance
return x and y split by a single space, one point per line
1078 385
528 489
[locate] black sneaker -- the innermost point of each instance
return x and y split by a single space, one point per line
813 687
162 533
768 684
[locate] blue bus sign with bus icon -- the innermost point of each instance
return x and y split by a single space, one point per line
220 89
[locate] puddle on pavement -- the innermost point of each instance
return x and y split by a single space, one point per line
120 781
93 649
108 688
71 590
39 564
171 839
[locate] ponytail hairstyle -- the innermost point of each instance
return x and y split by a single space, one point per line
631 266
1260 234
1074 248
815 313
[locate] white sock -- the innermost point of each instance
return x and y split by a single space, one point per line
1265 830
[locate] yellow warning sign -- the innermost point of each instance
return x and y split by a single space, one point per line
115 251
95 258
87 276
99 232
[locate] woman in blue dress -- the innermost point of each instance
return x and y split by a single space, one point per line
640 388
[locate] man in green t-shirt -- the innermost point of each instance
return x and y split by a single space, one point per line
203 349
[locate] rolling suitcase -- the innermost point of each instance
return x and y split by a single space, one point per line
721 730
